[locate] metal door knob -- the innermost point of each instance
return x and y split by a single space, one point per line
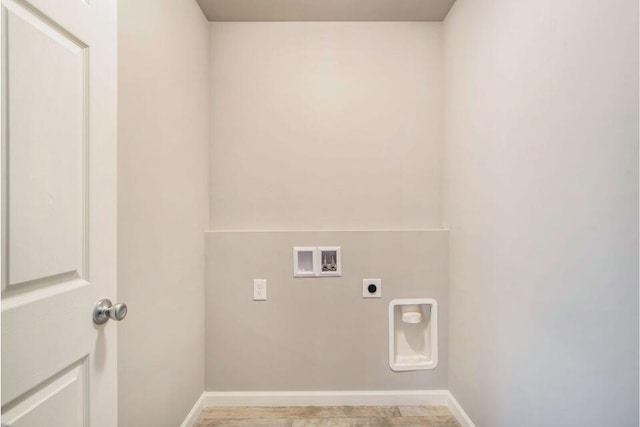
105 310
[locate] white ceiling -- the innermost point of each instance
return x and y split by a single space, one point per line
325 10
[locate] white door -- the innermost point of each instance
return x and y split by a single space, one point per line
58 212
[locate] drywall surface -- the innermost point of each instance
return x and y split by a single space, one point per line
317 333
325 125
541 187
163 208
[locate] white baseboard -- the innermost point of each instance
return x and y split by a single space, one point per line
192 416
328 398
458 412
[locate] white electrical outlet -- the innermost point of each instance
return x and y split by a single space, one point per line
371 288
259 289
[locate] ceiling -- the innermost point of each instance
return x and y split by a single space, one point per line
325 10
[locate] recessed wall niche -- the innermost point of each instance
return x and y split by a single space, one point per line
304 262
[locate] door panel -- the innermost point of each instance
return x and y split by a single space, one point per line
47 149
59 401
27 361
59 177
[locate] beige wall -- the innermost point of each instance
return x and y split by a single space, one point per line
542 202
322 126
325 125
163 208
317 333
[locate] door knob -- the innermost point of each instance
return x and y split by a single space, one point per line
105 310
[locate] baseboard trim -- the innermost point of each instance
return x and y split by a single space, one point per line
192 416
328 398
458 412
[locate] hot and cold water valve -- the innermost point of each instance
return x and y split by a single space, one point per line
317 261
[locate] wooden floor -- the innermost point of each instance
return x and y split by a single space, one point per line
327 416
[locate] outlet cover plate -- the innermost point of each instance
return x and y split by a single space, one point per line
365 288
259 289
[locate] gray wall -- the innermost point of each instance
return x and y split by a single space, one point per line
163 208
317 333
541 184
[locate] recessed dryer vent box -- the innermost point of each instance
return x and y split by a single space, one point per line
413 334
317 261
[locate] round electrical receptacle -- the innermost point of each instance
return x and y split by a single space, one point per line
372 288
